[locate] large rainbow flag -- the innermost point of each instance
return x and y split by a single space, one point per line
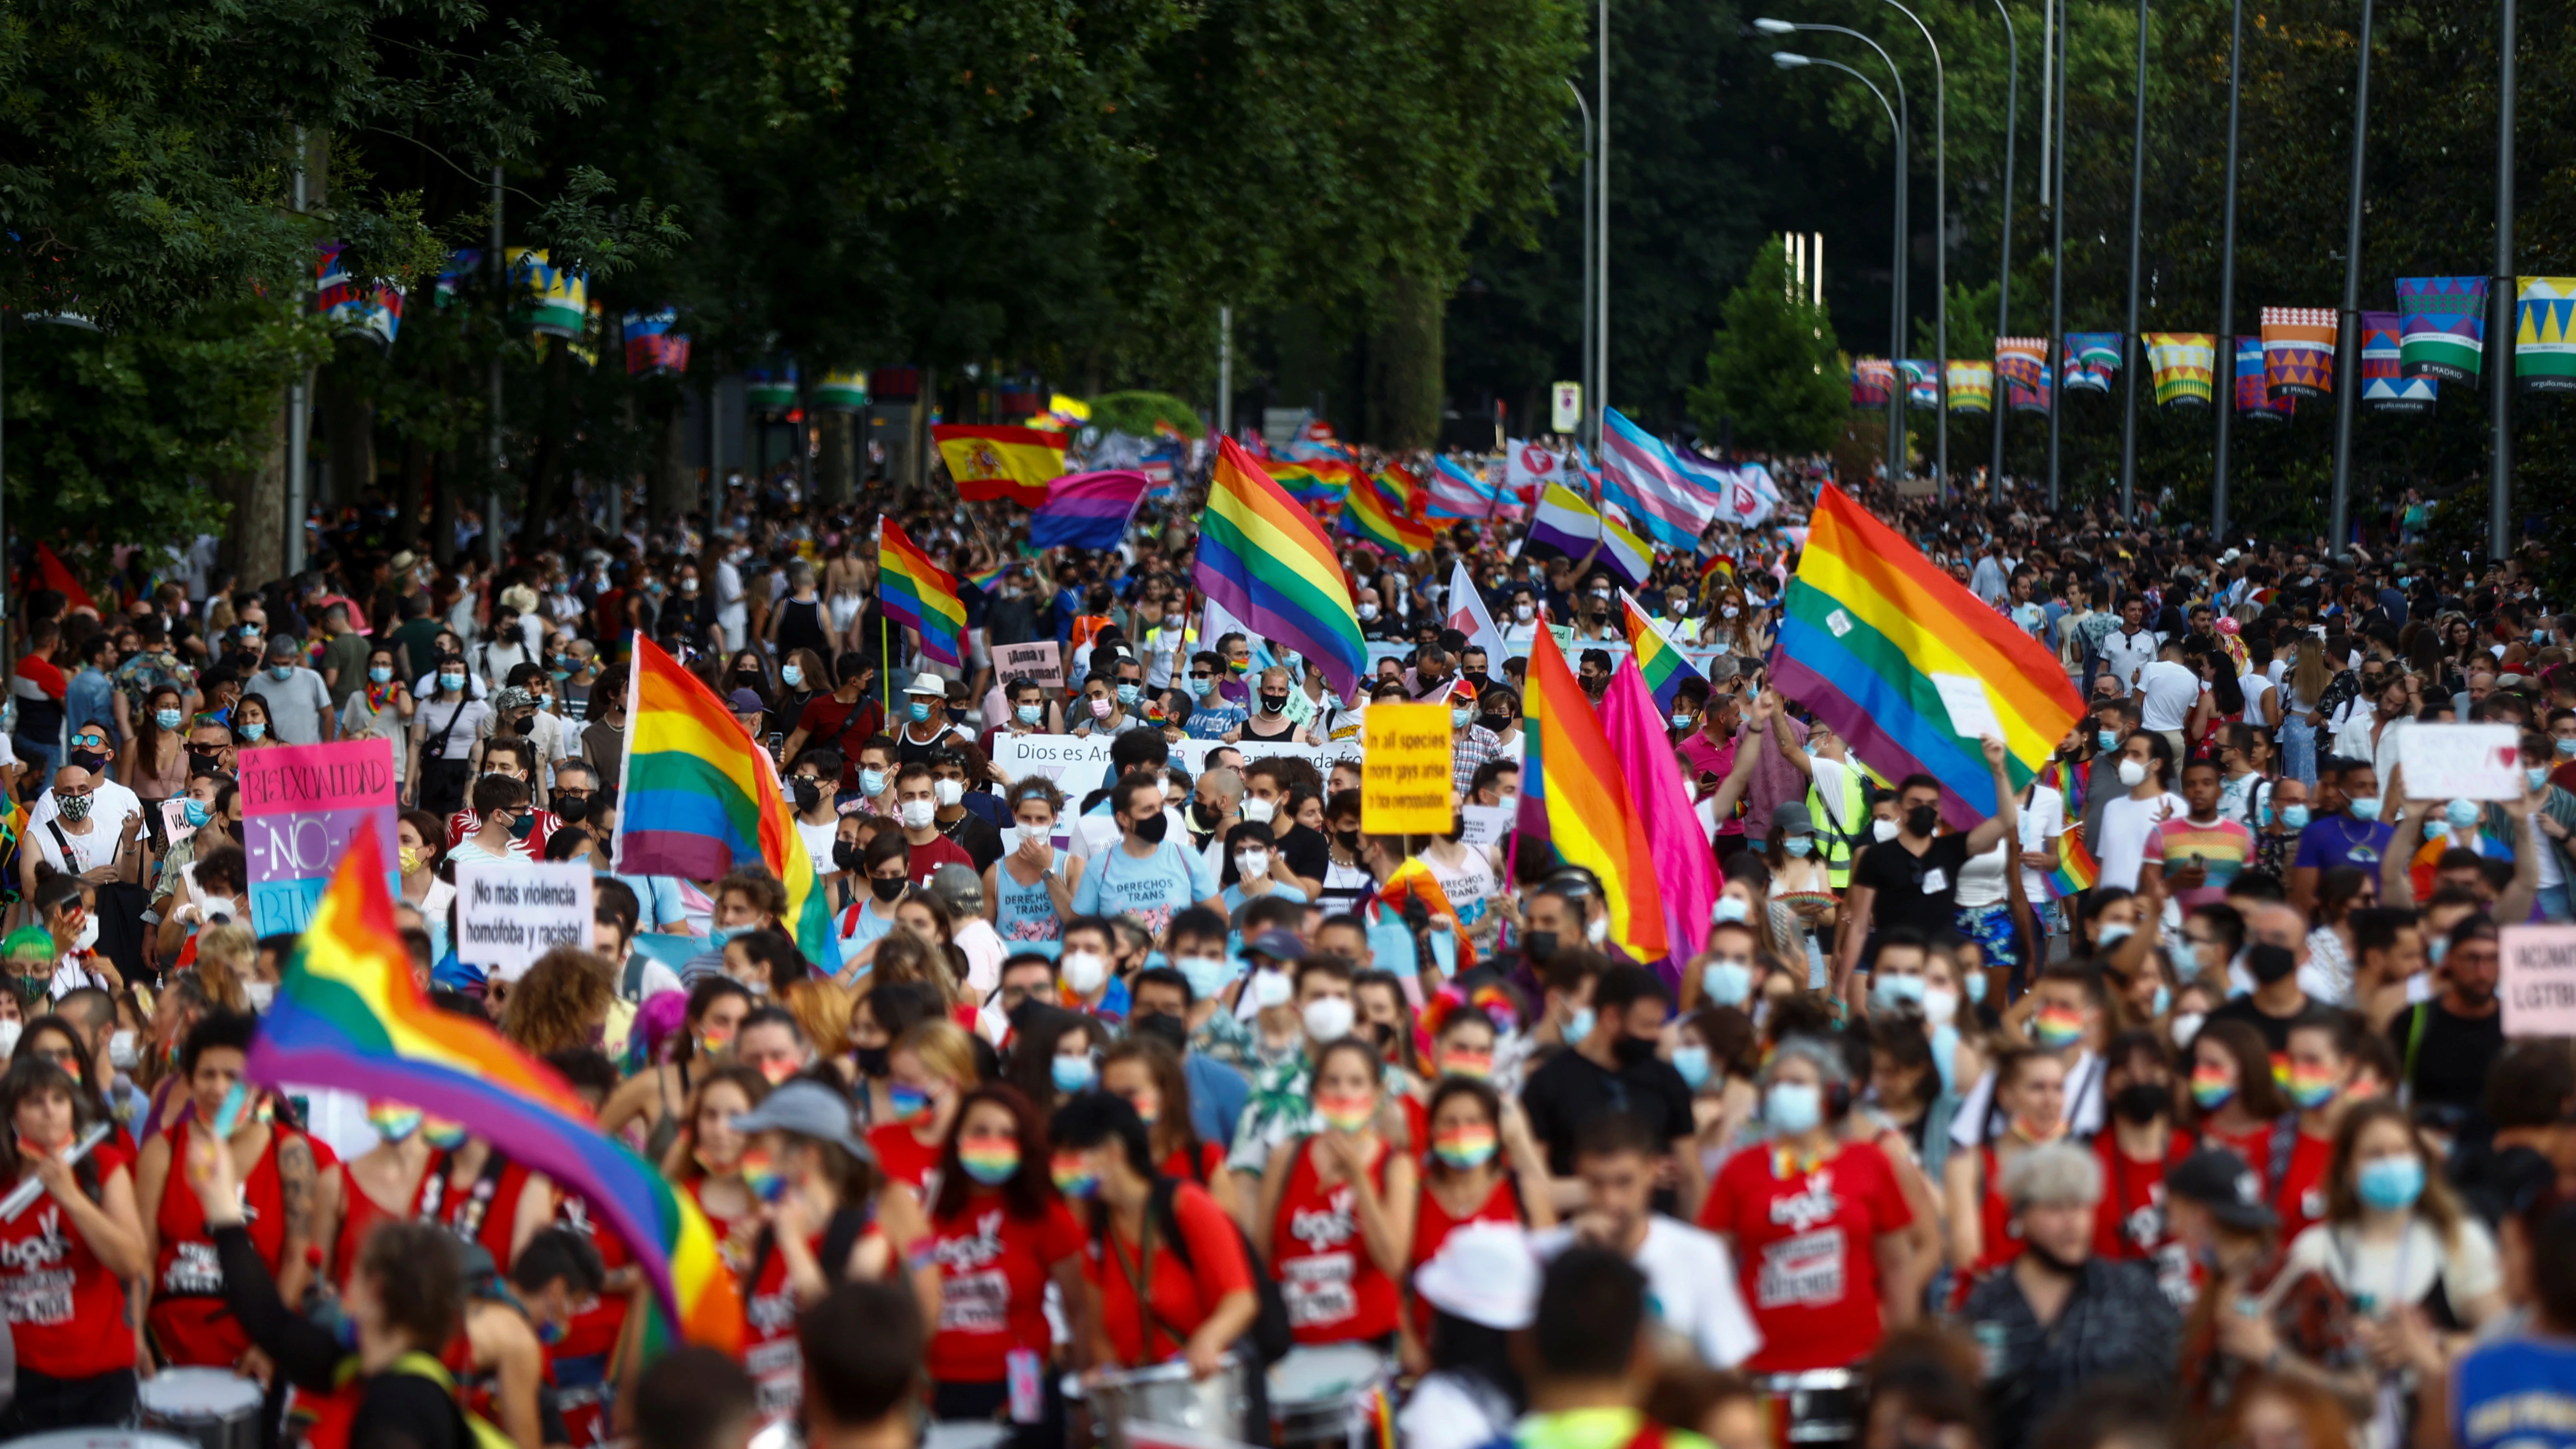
1367 512
348 1015
1011 465
1263 560
920 595
699 799
1573 795
1906 664
1664 667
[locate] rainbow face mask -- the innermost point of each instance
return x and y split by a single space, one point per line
442 1134
2212 1088
910 1104
2311 1087
1465 1147
991 1163
761 1175
2058 1026
393 1121
1346 1114
1074 1177
1475 1065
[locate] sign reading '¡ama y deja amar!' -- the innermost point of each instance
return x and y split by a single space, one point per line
1404 769
301 806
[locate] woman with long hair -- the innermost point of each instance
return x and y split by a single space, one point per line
420 845
1147 1073
1054 1054
1194 1299
929 1070
2310 677
381 708
2331 948
877 1021
382 1183
156 768
1335 1224
657 1095
1478 1170
999 1234
64 1265
2234 1098
705 1160
252 727
445 724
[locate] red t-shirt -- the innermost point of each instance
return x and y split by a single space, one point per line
2254 1149
1182 1296
1432 1226
543 823
828 723
2302 1199
1805 1239
1211 1162
1334 1289
65 1310
906 1159
189 1322
941 850
992 1285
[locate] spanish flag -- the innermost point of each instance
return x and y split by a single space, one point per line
1013 465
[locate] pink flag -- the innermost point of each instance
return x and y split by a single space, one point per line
1685 870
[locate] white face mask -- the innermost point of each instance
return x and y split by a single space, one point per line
2185 1027
1271 988
9 1031
1940 1005
1598 931
1328 1018
917 814
217 909
1259 811
2132 773
947 792
88 936
120 1050
1882 830
261 993
1252 862
1083 971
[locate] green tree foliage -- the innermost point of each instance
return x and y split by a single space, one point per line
1136 413
1775 373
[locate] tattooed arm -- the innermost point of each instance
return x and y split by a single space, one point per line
303 1196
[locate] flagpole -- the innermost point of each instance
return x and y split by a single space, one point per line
2500 310
2223 364
2054 369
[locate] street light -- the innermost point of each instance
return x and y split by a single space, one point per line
2130 357
1903 293
2348 323
1591 399
1788 60
2224 374
2003 300
1940 248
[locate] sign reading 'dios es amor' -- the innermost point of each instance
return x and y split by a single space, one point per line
301 806
510 912
2538 981
1079 764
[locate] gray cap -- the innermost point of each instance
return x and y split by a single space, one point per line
1278 945
808 1109
511 698
959 889
1792 818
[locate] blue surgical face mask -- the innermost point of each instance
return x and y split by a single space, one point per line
1798 845
1580 1026
1461 716
1793 1107
2535 777
2164 1001
196 812
1030 714
169 719
2295 816
1201 688
1891 993
1728 908
1683 720
2390 1184
2461 815
381 674
1128 693
2435 948
253 731
2564 744
2107 739
872 782
452 683
1976 984
281 672
1207 975
919 709
1727 983
1691 1060
2366 809
793 674
1072 1074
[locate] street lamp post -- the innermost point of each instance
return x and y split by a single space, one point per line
2129 363
1590 398
2003 303
2223 375
1940 251
1599 408
1896 278
2500 311
1900 300
2054 369
2348 321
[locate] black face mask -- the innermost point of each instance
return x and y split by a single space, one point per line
524 725
1203 814
90 760
747 678
1273 703
2062 1267
845 854
883 887
874 1061
1633 1050
2141 1102
1539 946
202 763
1922 819
808 793
1169 1029
572 809
2269 963
1495 722
1153 828
1348 840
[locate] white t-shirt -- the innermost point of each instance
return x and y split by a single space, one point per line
2386 1275
819 840
1690 1284
2121 843
2171 690
110 805
2042 819
1981 879
88 852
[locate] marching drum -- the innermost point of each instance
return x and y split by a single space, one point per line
214 1408
1320 1394
98 1439
1165 1394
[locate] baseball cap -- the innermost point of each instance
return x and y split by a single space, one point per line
1792 818
743 701
1278 945
959 889
808 1109
2219 1180
1484 1273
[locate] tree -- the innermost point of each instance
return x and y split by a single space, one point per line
1775 373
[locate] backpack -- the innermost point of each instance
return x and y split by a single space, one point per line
1269 1337
478 1432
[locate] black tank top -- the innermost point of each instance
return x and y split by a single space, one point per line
800 626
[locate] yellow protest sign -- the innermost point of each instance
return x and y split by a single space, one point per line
1404 769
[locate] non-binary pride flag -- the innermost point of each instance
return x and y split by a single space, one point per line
1265 561
919 594
1910 668
698 799
2091 358
2253 391
1088 510
2384 386
2442 327
349 1015
1666 669
2544 334
1573 797
2298 351
990 464
2183 366
1972 386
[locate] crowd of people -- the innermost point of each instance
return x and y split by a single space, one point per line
1908 1148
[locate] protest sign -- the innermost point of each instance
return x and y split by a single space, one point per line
174 820
1486 824
510 912
1075 763
1040 661
2537 982
301 806
1404 776
2461 761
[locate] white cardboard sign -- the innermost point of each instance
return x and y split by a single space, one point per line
2538 980
2461 761
509 913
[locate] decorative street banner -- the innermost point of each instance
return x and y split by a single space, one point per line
841 391
2442 326
2298 351
301 804
553 301
2091 359
1871 379
1920 389
374 313
771 387
2544 344
2384 388
1405 782
2023 360
2253 394
2183 366
2027 399
652 348
1972 387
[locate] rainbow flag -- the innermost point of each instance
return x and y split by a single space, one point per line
1263 560
1339 474
1401 488
919 594
985 579
1302 482
1011 465
1368 513
1413 880
701 799
1906 664
2067 778
348 1015
1573 795
2076 870
1662 664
